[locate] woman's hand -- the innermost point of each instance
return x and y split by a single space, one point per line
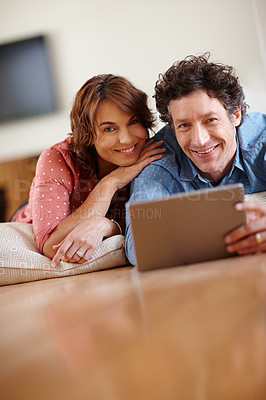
249 238
76 234
79 245
123 175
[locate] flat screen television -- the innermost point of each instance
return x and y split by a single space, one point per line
26 83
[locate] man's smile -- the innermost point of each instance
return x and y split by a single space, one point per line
207 151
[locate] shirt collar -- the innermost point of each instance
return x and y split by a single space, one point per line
237 160
189 172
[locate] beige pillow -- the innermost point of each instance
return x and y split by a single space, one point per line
20 260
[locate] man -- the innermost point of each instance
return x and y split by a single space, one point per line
210 141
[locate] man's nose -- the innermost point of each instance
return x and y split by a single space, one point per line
200 135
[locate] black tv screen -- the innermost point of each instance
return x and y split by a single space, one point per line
26 84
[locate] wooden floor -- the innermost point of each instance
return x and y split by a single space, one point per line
195 332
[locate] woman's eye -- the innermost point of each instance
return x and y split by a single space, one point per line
109 129
134 121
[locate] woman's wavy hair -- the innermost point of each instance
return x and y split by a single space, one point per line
83 114
197 73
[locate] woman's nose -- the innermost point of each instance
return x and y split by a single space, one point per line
125 136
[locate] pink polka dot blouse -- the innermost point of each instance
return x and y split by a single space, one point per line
59 187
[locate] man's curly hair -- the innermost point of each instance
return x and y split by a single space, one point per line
197 73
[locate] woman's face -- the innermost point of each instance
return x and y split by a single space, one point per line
120 137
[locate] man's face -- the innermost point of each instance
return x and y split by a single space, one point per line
205 132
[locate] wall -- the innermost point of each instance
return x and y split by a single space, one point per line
259 8
137 39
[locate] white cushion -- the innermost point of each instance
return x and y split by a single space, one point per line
20 260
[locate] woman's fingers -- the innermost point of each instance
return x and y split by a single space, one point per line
125 175
81 242
61 253
148 143
146 161
86 255
71 253
66 251
150 154
151 149
83 254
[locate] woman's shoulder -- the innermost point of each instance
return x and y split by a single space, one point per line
58 150
60 147
58 154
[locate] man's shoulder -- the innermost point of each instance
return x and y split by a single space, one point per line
257 118
166 134
169 164
253 128
169 142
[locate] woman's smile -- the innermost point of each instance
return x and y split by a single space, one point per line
129 150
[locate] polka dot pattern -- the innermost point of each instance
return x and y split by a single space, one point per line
56 191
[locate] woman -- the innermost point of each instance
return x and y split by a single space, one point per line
80 187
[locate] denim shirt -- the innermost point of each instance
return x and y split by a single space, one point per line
176 173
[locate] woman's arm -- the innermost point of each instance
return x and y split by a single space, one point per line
90 215
84 229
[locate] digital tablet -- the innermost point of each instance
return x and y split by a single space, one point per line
185 228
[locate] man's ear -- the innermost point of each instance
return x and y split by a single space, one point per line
237 116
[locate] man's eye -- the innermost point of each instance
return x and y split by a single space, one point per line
183 126
210 120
